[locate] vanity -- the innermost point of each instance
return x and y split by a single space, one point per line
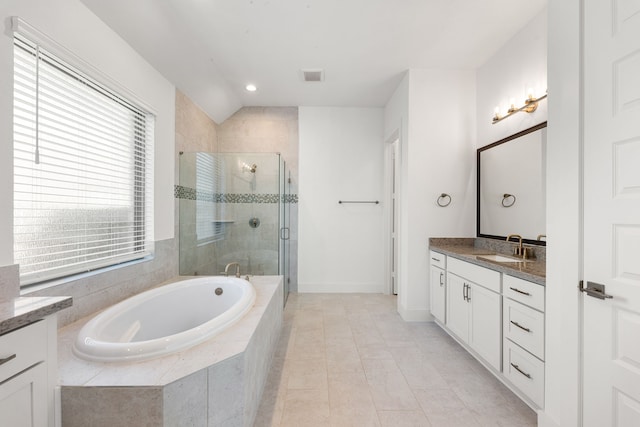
488 292
493 305
28 360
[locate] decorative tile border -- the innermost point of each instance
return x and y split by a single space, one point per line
180 192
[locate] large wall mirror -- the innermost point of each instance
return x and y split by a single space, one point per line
511 186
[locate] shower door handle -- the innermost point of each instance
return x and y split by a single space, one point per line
284 233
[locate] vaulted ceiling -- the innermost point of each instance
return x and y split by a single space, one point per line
211 49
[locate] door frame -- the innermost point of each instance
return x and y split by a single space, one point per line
392 144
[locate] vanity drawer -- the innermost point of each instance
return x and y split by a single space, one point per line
22 348
489 279
524 371
524 326
437 259
523 291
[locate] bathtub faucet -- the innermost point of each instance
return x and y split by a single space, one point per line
226 269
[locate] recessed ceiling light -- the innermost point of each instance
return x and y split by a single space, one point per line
251 88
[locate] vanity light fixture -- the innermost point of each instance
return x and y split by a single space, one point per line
251 87
530 105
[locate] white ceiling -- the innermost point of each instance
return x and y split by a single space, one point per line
210 49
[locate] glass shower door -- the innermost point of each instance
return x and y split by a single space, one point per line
285 230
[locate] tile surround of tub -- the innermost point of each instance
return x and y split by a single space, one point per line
93 292
116 406
218 382
9 282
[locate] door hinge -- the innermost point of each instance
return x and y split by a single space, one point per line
593 289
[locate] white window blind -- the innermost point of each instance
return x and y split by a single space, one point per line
83 171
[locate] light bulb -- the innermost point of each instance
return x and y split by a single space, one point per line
530 93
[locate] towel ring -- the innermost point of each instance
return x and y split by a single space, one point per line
505 200
444 200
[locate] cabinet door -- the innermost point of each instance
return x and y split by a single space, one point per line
457 306
438 293
23 399
485 326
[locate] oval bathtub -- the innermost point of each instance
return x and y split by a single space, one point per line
165 319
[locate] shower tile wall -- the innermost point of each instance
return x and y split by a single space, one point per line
268 130
195 131
240 197
249 196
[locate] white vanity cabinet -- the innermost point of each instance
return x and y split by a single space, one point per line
437 285
523 323
474 308
26 373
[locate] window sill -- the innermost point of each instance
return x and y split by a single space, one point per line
37 287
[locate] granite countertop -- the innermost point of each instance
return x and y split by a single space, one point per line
470 249
22 311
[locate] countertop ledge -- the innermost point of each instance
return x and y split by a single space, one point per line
22 311
467 249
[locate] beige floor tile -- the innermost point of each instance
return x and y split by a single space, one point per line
343 366
463 418
364 416
350 395
439 401
380 371
393 396
306 408
350 360
420 374
403 419
342 350
307 374
375 351
348 377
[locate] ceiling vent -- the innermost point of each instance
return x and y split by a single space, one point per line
313 75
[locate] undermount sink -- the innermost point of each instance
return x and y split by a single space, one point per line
499 258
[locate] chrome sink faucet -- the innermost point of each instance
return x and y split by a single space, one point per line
226 269
517 250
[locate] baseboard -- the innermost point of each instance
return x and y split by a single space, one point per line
545 420
340 288
414 315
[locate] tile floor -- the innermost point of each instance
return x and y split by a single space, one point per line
350 360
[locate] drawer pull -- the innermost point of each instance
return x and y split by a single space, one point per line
520 292
7 359
520 326
517 368
435 259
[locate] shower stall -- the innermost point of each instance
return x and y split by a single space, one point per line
234 207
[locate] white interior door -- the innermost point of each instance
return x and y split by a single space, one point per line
611 327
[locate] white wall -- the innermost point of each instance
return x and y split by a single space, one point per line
520 64
437 132
562 310
73 26
341 158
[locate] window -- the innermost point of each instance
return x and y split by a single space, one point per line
83 170
209 190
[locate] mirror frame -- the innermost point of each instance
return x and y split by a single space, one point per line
486 147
